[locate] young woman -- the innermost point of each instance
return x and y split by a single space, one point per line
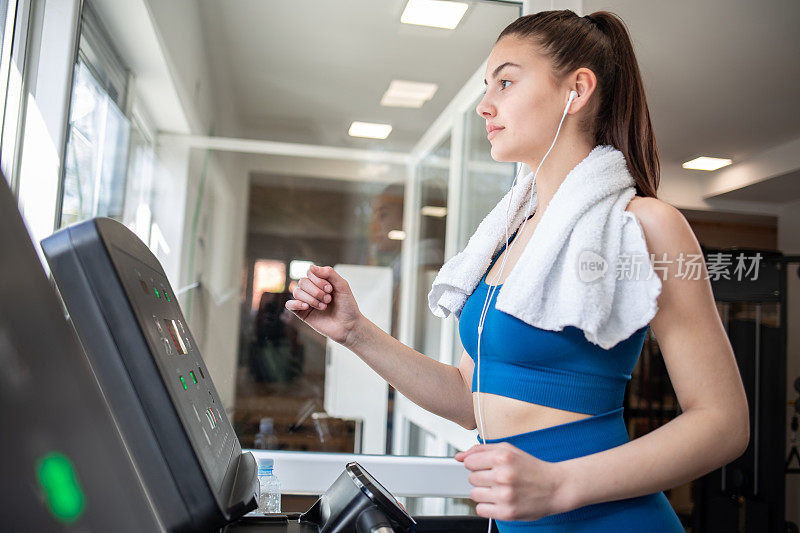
544 467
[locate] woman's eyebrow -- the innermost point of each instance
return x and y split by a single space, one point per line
501 67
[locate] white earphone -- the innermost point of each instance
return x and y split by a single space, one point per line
489 293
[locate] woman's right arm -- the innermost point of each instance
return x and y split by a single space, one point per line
324 301
435 386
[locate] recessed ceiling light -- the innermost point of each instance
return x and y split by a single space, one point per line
436 13
398 101
370 130
434 211
403 93
397 235
706 163
372 170
412 89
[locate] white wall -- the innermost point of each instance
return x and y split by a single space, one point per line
180 34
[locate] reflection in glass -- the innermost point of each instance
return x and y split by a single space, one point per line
139 189
386 238
281 375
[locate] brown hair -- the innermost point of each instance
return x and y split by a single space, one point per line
601 43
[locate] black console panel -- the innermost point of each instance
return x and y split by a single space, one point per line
182 370
151 370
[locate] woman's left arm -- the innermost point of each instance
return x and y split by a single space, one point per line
712 430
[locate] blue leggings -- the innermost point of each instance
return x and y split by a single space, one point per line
652 513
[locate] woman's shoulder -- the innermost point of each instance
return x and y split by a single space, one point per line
652 211
663 225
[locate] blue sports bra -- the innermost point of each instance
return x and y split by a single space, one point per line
559 369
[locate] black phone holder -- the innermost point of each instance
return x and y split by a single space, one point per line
357 503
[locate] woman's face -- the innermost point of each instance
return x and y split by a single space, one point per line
387 215
523 99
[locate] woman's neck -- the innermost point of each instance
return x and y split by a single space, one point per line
562 159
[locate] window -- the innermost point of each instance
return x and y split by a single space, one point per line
6 36
14 17
97 151
96 159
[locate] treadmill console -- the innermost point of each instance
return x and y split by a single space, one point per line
184 374
151 370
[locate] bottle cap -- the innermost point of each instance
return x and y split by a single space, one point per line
266 463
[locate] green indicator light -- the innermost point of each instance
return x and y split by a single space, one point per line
191 373
63 494
167 296
157 293
185 386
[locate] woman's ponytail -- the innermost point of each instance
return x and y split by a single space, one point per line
627 125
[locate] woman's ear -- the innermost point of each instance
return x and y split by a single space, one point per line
584 84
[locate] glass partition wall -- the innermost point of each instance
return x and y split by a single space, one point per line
431 215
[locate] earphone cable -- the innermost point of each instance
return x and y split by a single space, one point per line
491 290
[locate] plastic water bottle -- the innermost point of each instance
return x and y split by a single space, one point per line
269 488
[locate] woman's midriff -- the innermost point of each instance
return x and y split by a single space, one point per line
503 417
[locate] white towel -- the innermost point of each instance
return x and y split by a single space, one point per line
545 288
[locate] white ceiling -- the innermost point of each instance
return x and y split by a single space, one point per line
301 72
722 76
779 189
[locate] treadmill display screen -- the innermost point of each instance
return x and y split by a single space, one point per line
182 368
177 339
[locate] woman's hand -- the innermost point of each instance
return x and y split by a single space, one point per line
324 301
509 484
